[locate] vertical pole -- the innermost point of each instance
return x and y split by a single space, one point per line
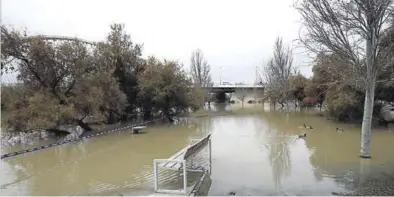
220 76
257 78
156 181
191 161
254 86
210 156
184 177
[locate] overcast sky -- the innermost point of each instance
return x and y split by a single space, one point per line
235 36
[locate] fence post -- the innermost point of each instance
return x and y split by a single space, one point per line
184 177
191 162
155 175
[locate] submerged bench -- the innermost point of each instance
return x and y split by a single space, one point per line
179 161
138 129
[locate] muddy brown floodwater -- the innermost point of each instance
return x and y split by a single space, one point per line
255 152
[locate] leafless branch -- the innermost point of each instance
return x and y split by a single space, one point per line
200 69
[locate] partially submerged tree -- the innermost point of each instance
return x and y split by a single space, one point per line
72 81
166 87
353 30
278 72
197 96
298 84
122 58
62 73
241 94
41 110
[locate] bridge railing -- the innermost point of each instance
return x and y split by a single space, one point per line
237 86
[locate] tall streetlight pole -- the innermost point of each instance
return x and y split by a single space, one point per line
220 82
255 75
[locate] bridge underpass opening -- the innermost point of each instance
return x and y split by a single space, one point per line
220 97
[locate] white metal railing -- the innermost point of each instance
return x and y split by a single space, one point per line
184 168
156 179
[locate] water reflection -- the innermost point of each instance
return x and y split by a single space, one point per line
279 157
222 107
314 166
204 125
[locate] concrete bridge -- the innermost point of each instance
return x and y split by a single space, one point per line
219 91
230 88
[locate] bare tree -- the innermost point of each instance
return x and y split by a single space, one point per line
278 72
259 92
271 91
200 69
241 94
351 29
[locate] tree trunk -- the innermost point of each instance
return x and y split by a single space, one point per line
369 103
170 119
167 114
282 105
111 119
367 120
147 113
84 126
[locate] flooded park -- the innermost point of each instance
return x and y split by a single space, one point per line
264 98
255 151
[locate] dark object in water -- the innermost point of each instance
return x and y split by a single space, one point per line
231 194
137 130
365 156
302 136
308 127
340 129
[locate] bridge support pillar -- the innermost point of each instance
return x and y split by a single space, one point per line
221 97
